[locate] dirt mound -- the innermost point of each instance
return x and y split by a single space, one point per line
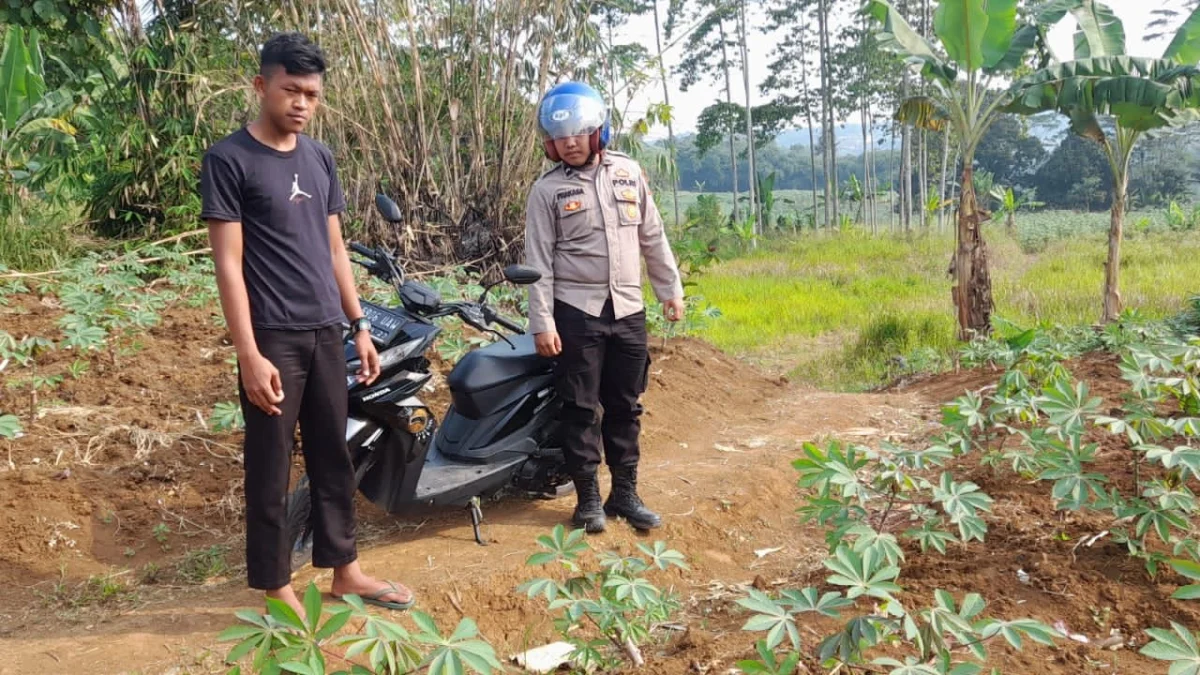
120 470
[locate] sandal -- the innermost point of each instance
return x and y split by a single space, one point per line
374 598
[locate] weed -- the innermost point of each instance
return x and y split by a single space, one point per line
198 566
95 591
160 534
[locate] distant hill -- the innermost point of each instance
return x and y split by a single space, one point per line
1048 128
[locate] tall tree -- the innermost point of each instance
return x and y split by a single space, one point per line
707 51
1140 95
980 39
788 81
744 37
672 9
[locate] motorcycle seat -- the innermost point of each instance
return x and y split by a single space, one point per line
484 376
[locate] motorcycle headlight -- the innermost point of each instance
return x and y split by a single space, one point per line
387 359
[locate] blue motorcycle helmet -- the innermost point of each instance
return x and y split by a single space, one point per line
573 109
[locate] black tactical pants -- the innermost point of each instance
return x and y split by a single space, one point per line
312 369
605 362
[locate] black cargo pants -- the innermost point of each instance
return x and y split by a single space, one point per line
312 368
605 362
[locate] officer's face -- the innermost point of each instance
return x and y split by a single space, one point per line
573 149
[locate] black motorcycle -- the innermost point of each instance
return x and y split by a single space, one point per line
499 432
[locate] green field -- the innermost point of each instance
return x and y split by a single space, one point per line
849 311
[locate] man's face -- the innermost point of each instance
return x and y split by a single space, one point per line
288 101
574 150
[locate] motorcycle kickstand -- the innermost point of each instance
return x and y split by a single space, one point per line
476 518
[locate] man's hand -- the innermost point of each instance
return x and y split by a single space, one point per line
263 386
367 356
548 343
674 309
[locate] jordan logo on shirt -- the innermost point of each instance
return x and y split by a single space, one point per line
297 193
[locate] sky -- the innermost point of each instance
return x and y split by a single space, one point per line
1135 14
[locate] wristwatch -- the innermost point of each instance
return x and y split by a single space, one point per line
360 324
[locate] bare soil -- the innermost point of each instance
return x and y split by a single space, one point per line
119 479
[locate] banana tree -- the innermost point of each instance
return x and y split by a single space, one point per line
981 40
27 111
1010 202
1141 96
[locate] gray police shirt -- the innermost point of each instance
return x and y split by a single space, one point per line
283 201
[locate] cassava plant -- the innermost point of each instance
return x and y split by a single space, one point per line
283 641
609 613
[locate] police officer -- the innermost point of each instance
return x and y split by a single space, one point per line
588 222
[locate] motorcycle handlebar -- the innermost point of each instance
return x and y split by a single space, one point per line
362 250
507 323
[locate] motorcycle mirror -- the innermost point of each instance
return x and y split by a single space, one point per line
522 275
388 209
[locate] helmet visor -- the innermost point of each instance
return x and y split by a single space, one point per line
566 115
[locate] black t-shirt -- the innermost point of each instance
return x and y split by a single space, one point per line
283 201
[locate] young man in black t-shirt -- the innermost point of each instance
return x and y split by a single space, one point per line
271 199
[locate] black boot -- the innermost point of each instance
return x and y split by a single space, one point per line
588 513
624 500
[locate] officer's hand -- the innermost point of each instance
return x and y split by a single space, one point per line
674 309
548 343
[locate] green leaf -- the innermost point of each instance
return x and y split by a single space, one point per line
1179 647
1185 46
544 558
10 426
897 36
1100 32
1189 592
1144 94
1187 568
961 26
334 624
1000 33
301 668
284 614
245 647
312 606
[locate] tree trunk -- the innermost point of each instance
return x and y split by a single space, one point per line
1112 270
826 108
729 100
942 185
755 210
972 290
1010 223
662 72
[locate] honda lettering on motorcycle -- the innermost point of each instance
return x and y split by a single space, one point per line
500 429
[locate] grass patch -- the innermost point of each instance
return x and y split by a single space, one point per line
200 565
37 237
851 311
95 591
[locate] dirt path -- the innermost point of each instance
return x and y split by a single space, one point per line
718 445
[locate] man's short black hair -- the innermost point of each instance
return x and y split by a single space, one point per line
294 52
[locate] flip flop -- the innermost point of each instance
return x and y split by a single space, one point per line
374 598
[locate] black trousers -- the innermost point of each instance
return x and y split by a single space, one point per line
605 362
312 367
